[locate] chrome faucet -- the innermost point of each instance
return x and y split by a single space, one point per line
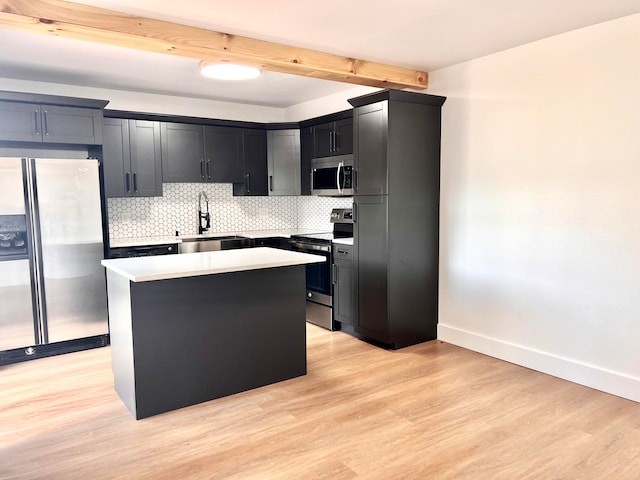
203 216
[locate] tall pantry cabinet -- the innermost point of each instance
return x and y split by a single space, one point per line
396 204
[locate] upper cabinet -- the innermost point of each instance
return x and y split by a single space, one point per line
254 161
223 153
30 122
325 136
333 138
201 153
370 149
306 154
283 157
132 158
182 152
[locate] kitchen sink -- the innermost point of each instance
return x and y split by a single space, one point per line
200 244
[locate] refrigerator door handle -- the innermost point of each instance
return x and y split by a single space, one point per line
29 168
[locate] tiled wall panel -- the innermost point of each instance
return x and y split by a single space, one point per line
177 210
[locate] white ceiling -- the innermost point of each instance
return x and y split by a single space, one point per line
419 34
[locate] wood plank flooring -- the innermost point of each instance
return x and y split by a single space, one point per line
431 411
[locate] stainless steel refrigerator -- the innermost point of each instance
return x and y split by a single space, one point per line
52 286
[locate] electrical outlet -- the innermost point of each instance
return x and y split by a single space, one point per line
126 217
263 212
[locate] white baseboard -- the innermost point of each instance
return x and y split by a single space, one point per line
588 375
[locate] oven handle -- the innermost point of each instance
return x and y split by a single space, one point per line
310 248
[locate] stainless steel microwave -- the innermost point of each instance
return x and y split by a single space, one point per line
332 176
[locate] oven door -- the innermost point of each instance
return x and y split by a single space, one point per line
318 275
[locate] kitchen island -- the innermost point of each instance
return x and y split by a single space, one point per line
193 327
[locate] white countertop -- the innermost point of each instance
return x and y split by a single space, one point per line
163 267
160 240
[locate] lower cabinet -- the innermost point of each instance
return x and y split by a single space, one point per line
371 235
143 250
132 158
343 284
274 242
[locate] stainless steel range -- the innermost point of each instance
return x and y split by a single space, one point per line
319 281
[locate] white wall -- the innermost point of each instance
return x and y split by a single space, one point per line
540 208
325 105
152 103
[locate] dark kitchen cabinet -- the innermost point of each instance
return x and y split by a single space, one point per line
223 154
283 160
371 235
343 284
182 152
370 149
132 158
27 122
306 154
333 138
254 161
143 251
396 211
201 153
274 242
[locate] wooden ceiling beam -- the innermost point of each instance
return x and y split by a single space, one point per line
81 22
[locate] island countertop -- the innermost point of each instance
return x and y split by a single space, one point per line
163 267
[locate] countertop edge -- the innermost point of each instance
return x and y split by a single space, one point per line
197 269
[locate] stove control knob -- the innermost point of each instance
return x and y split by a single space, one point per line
309 294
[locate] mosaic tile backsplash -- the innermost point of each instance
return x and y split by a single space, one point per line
177 210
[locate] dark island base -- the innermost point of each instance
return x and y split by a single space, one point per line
190 340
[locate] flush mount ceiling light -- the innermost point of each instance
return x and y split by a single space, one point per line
228 71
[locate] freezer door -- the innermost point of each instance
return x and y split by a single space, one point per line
16 312
17 326
69 224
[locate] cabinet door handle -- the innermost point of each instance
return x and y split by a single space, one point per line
36 115
271 183
336 141
331 142
354 212
208 169
334 273
126 182
135 182
46 124
248 183
343 252
202 168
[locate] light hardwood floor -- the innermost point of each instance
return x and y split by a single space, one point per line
431 411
